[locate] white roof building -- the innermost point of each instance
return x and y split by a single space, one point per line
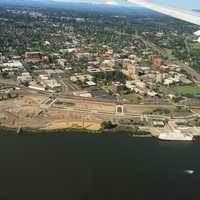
52 83
82 94
13 64
25 77
130 85
35 86
140 84
91 83
168 81
152 93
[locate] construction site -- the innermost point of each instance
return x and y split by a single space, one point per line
43 112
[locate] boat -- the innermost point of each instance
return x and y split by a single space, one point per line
189 171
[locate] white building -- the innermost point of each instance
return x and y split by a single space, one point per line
33 85
140 84
91 83
82 94
81 77
130 85
152 93
52 84
13 64
168 81
25 77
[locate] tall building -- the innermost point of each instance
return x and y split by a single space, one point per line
34 56
130 70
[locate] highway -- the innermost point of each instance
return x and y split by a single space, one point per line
131 108
127 114
192 72
112 114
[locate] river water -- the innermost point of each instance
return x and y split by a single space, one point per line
89 167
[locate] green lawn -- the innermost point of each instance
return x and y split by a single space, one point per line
63 104
192 90
132 97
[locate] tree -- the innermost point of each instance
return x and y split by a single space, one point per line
5 75
107 125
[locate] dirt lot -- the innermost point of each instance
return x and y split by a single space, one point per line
28 111
39 112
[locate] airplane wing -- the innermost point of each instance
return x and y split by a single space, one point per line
181 14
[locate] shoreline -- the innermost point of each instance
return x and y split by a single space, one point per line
6 131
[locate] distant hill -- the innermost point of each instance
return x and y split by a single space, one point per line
27 2
42 3
76 6
196 10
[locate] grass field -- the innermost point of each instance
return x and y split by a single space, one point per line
64 104
192 90
132 97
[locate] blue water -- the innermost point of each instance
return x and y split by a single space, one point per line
88 167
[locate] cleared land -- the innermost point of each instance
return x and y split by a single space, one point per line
28 111
39 112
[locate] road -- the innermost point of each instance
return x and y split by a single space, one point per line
130 108
195 75
68 84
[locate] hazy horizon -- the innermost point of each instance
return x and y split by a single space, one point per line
187 4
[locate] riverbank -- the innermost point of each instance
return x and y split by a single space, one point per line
29 131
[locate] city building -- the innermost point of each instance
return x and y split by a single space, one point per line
33 85
24 78
82 94
158 62
90 83
93 70
130 85
7 92
52 85
12 64
106 69
117 87
130 71
61 62
81 77
34 56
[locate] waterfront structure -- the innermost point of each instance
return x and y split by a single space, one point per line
176 135
119 109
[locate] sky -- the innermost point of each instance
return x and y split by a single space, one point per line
188 4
